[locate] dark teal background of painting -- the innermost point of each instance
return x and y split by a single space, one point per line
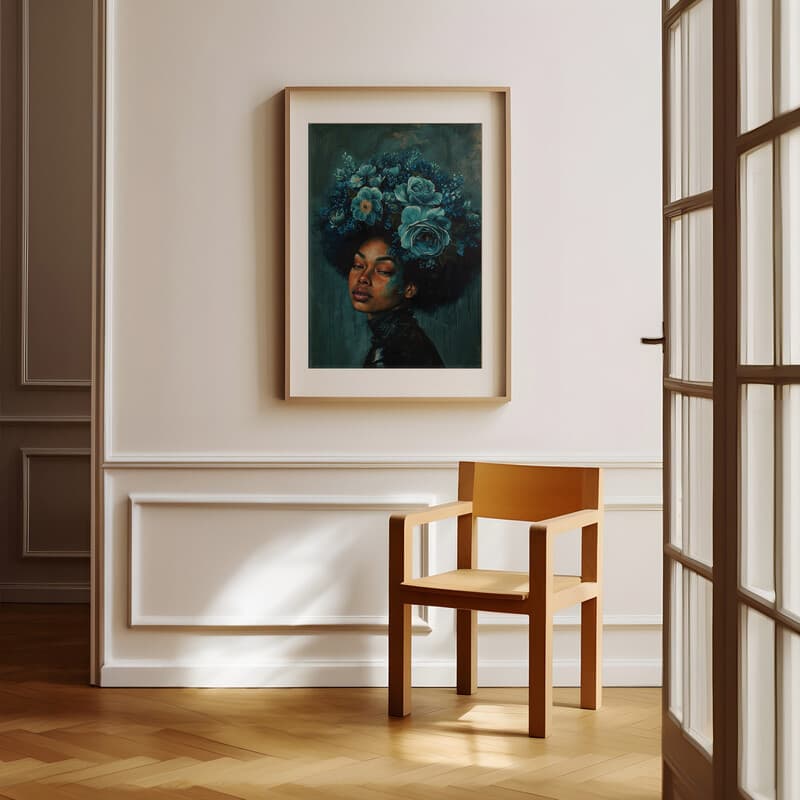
338 336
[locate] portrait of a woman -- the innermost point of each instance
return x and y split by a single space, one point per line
404 234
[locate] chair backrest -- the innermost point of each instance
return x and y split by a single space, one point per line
528 493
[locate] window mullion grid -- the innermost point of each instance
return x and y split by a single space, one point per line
780 618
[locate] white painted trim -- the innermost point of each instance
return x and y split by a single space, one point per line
352 622
106 324
248 461
102 175
644 503
275 502
25 379
294 502
616 672
44 592
27 454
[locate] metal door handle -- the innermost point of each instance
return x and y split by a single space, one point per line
654 339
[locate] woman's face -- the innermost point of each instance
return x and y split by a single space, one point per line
376 281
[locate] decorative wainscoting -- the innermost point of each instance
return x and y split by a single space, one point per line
45 300
175 522
274 574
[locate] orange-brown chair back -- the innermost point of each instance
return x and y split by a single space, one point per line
528 493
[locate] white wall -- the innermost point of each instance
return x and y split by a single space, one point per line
195 330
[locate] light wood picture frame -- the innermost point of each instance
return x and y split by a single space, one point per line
397 243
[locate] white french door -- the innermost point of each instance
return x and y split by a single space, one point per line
732 399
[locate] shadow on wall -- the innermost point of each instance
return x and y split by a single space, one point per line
308 569
268 204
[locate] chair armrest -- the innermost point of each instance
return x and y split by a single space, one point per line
401 527
431 514
567 522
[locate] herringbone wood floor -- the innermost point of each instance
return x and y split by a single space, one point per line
63 740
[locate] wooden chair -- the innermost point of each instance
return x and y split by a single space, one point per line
554 500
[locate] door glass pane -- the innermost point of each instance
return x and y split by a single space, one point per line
790 563
676 288
756 253
692 296
690 102
698 88
676 641
755 63
691 479
757 766
789 57
789 717
700 722
758 487
676 112
701 296
676 479
701 472
790 239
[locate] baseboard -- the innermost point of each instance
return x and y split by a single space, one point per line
44 593
616 672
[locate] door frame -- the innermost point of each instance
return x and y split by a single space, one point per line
687 770
97 572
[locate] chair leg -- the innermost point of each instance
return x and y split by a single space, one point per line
466 652
540 672
399 659
591 653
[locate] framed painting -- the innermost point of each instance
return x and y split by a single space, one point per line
397 243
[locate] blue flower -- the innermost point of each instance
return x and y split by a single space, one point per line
366 205
336 218
366 175
424 232
419 192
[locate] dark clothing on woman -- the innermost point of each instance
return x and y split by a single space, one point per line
398 341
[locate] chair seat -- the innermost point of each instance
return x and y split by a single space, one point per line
500 585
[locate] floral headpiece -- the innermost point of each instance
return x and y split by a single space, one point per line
420 207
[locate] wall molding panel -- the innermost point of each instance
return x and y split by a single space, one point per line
137 577
26 380
44 592
29 453
32 419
